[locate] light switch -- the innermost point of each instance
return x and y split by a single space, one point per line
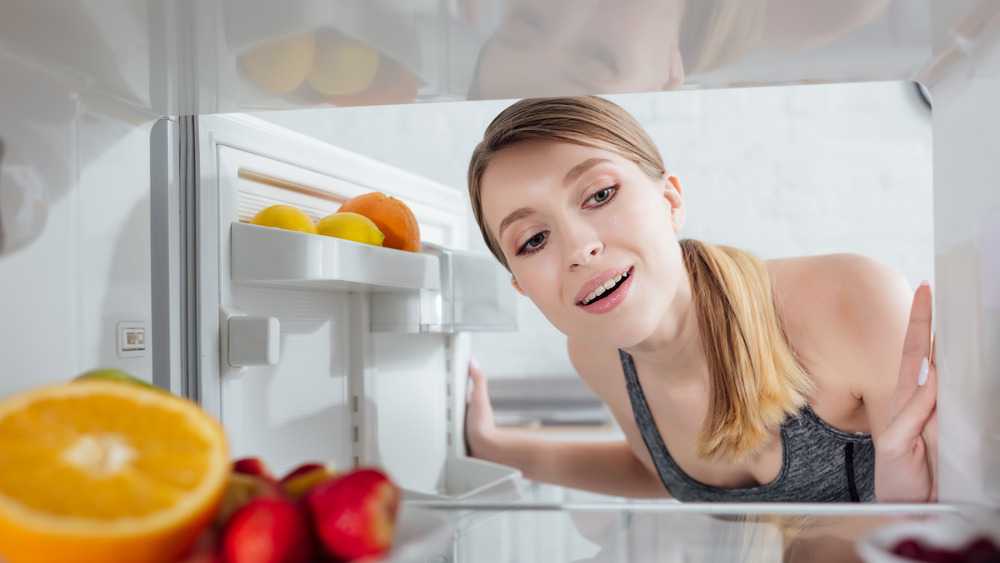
254 341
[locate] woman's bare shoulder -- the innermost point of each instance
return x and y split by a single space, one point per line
840 288
847 309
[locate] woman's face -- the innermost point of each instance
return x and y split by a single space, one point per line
589 237
565 47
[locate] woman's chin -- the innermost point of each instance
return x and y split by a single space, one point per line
608 337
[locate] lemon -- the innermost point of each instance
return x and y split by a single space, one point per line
280 66
284 217
350 226
343 65
112 374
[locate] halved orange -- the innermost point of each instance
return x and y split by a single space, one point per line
101 471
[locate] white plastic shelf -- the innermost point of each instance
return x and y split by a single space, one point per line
467 478
266 255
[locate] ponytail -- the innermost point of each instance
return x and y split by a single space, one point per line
757 379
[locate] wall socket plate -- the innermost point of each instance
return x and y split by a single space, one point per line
132 338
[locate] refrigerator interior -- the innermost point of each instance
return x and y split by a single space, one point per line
313 348
94 98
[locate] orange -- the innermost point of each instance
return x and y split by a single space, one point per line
97 471
391 216
113 374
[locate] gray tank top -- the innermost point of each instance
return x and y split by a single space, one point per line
819 462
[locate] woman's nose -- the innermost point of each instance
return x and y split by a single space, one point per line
583 246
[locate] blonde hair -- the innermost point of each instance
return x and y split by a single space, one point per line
757 379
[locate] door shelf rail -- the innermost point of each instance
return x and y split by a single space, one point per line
277 257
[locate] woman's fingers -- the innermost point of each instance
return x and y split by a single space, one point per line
479 391
916 347
931 439
478 412
916 415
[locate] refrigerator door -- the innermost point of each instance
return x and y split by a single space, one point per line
274 332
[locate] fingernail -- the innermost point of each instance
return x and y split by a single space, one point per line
925 368
925 283
473 363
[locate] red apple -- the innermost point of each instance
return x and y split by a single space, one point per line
253 466
267 530
354 515
241 489
304 477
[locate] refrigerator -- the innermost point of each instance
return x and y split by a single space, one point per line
129 170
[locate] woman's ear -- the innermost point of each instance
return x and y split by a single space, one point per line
674 193
517 286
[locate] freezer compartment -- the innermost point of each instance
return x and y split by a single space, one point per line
475 295
464 478
279 257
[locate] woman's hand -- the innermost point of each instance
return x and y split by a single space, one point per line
906 453
480 429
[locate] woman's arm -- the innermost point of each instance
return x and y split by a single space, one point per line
888 327
604 467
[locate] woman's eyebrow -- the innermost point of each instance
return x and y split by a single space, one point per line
579 169
573 174
514 216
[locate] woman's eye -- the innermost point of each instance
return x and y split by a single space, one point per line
604 195
602 56
533 244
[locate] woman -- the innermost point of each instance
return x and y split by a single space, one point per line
732 378
558 47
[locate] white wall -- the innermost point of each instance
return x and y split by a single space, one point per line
783 171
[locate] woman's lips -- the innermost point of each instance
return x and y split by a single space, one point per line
600 280
611 299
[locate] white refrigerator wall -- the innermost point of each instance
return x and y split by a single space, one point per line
783 171
63 295
966 88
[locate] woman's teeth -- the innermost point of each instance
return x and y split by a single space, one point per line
605 287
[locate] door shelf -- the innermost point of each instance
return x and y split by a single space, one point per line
277 257
466 478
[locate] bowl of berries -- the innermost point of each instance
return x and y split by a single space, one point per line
939 539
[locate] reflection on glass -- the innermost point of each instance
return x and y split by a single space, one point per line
642 532
328 66
565 47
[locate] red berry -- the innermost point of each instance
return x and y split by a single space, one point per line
981 550
910 548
